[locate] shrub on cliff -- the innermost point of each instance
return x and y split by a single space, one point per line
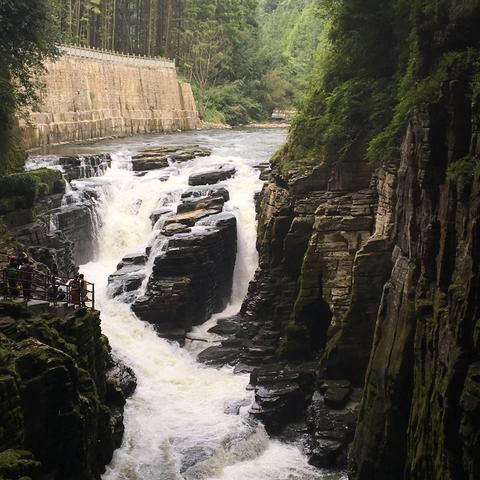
22 190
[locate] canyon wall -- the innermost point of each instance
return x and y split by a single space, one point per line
370 276
91 94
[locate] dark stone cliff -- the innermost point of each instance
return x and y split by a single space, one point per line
420 412
369 280
60 403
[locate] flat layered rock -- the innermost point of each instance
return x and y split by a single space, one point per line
201 203
156 215
212 176
218 356
174 229
126 279
281 394
332 430
192 278
190 218
206 191
149 163
129 275
155 158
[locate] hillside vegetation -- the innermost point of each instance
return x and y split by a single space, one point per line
380 59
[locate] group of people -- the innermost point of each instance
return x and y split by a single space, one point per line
20 281
74 291
19 276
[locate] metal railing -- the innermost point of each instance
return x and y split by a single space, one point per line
16 284
116 57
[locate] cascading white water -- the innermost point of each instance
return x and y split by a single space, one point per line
185 421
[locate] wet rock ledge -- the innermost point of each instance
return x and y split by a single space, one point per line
154 158
61 394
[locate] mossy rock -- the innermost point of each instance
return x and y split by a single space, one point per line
18 465
12 309
26 188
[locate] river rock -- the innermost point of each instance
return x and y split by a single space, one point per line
202 203
129 275
212 176
206 191
226 326
331 430
218 356
190 218
174 228
149 163
159 213
281 394
160 157
192 278
84 166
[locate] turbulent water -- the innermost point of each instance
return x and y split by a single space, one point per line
185 420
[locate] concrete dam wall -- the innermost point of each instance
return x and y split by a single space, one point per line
93 94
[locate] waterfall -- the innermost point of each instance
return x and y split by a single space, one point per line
185 420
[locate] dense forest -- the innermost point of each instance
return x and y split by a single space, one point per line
244 57
346 61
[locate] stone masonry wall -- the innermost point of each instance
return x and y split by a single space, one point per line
94 96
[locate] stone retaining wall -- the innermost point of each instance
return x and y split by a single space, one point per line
93 94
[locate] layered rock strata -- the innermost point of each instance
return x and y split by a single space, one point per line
312 228
421 402
155 158
192 261
372 273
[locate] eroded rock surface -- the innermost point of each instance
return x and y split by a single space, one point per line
61 412
154 158
212 176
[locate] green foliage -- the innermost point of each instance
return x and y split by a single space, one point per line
263 47
21 190
379 61
230 103
27 36
290 32
463 168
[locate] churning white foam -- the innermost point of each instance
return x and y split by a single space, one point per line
185 421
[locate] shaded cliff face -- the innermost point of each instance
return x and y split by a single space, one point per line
372 273
61 412
421 402
89 98
384 275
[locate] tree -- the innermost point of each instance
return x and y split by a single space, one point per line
28 32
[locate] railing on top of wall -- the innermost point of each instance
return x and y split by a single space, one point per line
117 57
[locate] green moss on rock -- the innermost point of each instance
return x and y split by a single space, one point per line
53 394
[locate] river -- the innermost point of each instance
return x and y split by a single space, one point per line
185 420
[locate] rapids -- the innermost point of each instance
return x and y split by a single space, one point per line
185 420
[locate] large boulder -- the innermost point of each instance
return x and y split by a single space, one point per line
212 176
191 278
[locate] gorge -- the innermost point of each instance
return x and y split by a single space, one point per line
265 304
